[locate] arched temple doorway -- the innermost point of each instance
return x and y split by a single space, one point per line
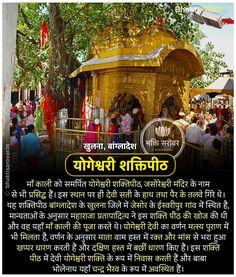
174 105
122 100
127 102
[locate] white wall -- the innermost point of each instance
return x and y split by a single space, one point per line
9 26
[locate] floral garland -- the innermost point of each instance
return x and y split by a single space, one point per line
50 108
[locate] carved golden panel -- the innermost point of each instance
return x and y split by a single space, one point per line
150 78
165 90
129 42
152 89
141 85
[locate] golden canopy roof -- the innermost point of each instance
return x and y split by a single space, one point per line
139 48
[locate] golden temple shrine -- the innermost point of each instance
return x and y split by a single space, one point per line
151 65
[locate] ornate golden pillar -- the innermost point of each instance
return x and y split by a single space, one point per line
96 100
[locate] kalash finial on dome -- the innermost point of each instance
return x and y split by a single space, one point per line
129 37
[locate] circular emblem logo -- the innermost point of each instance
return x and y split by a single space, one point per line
162 136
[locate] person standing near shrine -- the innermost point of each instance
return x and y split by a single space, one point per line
126 123
207 135
164 112
38 122
228 148
30 149
30 117
198 109
34 106
14 148
194 133
208 145
13 112
91 136
181 122
19 131
215 110
114 127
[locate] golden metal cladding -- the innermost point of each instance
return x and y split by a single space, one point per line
151 64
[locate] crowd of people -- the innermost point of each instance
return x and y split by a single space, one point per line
123 123
212 131
26 122
126 116
205 128
209 129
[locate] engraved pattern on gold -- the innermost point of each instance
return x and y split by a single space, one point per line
152 80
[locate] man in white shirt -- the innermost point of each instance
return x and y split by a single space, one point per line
30 118
194 133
